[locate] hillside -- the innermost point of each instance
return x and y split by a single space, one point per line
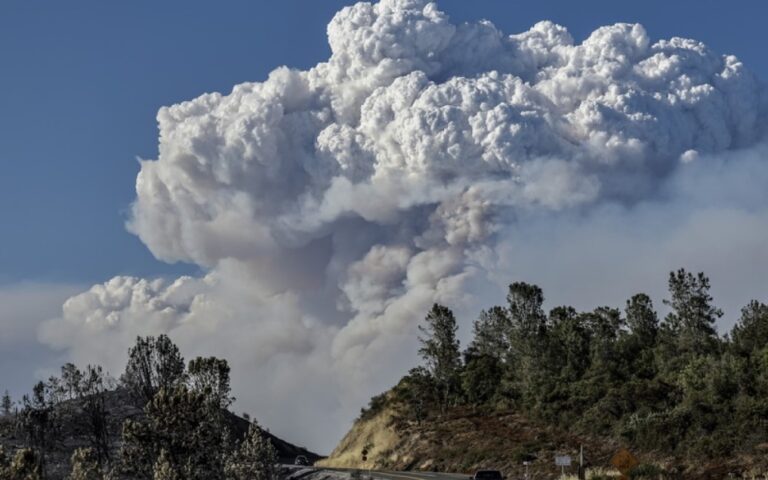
463 441
119 407
532 384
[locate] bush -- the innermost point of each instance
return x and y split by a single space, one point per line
646 471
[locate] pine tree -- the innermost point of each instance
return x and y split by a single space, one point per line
153 363
5 464
211 377
491 331
184 423
693 316
70 378
526 317
750 334
84 465
26 465
642 320
163 470
440 351
92 393
255 459
6 405
40 421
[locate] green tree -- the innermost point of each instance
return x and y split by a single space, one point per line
528 322
480 377
416 391
639 347
163 470
26 465
491 333
568 344
642 320
693 316
6 404
254 459
71 377
527 338
153 363
750 334
185 424
39 421
92 393
605 329
211 376
440 351
84 465
5 464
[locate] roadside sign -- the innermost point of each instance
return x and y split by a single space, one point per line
563 460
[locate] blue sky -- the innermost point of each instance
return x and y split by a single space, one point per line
81 83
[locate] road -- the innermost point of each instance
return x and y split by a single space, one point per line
417 476
386 475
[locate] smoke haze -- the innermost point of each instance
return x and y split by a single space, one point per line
425 162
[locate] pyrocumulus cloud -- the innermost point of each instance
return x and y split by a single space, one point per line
425 162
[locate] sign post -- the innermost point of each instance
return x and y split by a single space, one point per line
562 461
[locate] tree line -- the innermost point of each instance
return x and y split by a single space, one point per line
184 432
673 384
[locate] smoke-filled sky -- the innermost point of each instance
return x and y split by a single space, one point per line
301 218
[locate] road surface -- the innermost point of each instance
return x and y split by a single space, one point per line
417 476
387 475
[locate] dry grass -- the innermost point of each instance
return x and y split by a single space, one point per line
376 433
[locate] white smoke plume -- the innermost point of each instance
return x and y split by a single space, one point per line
427 162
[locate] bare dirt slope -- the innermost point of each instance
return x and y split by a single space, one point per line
463 440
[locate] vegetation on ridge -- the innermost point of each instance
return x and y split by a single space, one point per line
673 386
163 419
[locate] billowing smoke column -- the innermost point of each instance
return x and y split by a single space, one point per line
331 207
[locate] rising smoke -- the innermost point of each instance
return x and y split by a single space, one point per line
428 162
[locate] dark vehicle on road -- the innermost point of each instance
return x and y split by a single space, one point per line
301 460
487 475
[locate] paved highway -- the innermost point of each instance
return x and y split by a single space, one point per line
417 476
387 475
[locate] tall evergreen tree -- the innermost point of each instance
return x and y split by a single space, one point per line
693 315
642 320
527 318
186 425
26 465
491 333
71 377
163 470
440 350
6 404
211 376
750 334
153 363
5 464
95 416
254 459
84 465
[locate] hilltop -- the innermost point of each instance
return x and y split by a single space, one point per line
120 406
688 402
